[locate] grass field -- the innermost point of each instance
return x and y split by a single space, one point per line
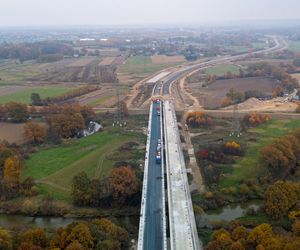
54 168
248 167
222 70
24 95
141 65
294 46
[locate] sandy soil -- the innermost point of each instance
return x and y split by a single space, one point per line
163 59
274 105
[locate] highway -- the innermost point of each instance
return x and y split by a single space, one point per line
280 44
182 226
154 227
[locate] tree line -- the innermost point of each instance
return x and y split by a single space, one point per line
63 121
262 237
46 51
96 234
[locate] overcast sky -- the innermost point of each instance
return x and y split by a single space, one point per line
124 12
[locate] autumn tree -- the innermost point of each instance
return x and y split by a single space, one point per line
254 119
10 167
260 234
112 230
239 233
198 118
81 234
296 228
87 113
5 240
12 173
66 124
36 237
281 155
280 198
58 240
261 237
276 162
221 240
34 133
124 183
80 189
108 245
237 246
75 245
17 112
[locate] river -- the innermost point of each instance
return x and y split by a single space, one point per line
19 222
227 213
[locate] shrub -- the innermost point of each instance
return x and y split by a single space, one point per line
254 119
198 119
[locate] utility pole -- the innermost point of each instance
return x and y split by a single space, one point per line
236 126
119 115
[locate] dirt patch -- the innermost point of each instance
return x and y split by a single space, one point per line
214 94
107 61
163 59
81 62
12 132
110 61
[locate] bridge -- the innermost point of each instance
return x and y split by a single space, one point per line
167 218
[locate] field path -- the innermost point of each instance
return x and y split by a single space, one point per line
53 185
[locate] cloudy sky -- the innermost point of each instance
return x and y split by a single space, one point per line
124 12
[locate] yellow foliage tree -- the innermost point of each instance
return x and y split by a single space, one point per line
5 239
12 172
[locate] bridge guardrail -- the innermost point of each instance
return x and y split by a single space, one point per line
140 245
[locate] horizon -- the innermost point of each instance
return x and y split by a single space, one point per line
255 23
30 13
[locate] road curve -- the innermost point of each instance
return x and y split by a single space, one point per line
280 44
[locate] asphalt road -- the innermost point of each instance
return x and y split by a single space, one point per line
153 235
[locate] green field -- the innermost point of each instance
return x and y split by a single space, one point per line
54 168
248 167
222 70
140 65
23 96
294 46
